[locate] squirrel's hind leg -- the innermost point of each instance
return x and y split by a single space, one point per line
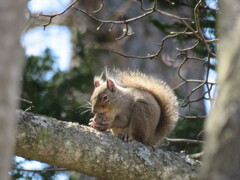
143 121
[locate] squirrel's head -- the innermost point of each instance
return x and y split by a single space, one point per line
104 95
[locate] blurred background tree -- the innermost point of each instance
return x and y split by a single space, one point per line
64 94
55 93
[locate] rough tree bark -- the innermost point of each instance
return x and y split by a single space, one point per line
222 150
11 23
86 150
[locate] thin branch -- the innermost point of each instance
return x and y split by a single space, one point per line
141 6
154 55
192 117
100 8
199 134
188 141
183 20
125 30
212 40
187 100
190 48
51 16
207 77
202 38
28 102
114 21
180 67
42 170
193 81
24 100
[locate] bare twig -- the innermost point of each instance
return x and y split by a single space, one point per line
192 117
141 6
24 100
154 55
51 16
188 141
202 38
42 170
101 6
199 134
125 30
28 102
207 76
114 21
190 48
193 81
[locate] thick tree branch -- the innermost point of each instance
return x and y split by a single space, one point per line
83 149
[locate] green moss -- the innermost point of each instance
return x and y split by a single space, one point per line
44 134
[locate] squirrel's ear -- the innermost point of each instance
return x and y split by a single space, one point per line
96 83
110 85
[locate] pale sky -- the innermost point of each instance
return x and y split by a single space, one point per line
47 6
56 38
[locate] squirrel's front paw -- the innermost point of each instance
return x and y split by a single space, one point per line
125 137
100 122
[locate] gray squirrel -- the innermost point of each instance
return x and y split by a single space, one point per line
134 106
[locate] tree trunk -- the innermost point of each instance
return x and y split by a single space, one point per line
222 150
86 150
11 16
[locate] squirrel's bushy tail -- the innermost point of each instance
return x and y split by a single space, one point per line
162 93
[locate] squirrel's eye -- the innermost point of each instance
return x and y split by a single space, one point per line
105 98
